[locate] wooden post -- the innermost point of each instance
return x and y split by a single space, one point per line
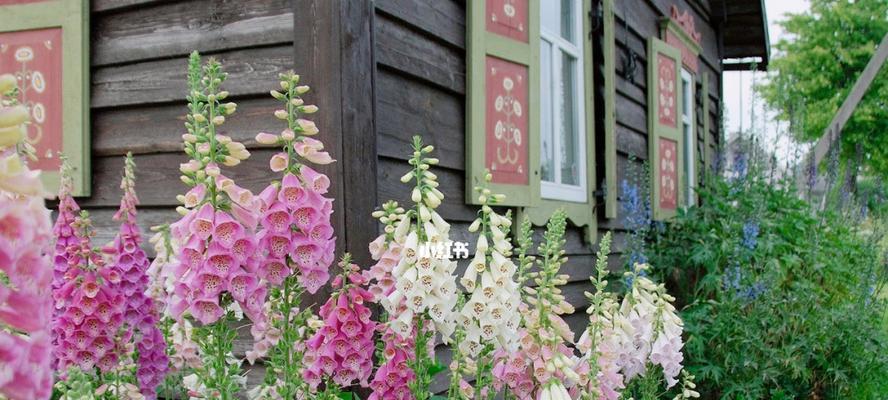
334 54
834 130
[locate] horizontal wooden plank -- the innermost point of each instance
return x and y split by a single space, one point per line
406 50
631 114
158 128
250 72
158 177
452 184
406 107
175 29
443 19
117 5
631 143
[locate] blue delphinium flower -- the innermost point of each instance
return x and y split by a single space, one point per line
636 210
741 166
750 235
635 207
731 278
752 292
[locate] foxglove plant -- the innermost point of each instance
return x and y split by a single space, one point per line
603 341
90 323
387 253
652 327
216 266
544 365
141 314
491 316
340 354
181 350
296 240
25 269
393 377
424 277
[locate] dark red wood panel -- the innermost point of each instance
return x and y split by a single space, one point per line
35 57
507 126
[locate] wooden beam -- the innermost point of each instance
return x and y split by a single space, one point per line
834 130
334 55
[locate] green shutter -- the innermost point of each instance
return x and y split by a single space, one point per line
707 152
664 128
70 134
503 46
610 113
580 214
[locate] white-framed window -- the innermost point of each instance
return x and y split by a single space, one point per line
562 116
690 139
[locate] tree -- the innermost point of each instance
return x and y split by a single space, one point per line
815 68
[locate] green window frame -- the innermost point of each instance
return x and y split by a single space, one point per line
665 137
72 17
527 197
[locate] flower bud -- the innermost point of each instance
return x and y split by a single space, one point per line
266 138
13 116
222 95
230 108
288 134
218 120
276 94
212 170
297 102
199 118
302 89
7 82
407 177
281 114
189 138
310 109
230 161
308 127
416 196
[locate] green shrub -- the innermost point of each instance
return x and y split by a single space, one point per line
779 301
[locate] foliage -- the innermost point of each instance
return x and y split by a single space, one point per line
817 66
779 301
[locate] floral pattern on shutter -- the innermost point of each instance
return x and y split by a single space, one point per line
508 18
664 134
506 125
502 129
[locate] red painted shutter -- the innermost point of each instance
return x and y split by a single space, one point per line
502 117
664 128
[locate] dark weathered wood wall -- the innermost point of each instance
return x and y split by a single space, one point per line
138 64
139 51
420 89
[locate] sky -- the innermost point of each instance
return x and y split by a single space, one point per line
738 94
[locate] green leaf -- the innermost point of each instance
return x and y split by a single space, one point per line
348 396
436 368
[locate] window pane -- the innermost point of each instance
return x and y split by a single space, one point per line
569 140
686 98
550 16
567 20
547 158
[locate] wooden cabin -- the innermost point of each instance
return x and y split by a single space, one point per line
558 98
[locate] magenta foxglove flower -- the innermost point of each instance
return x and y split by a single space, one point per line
296 230
131 263
216 256
25 297
393 377
342 350
91 309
